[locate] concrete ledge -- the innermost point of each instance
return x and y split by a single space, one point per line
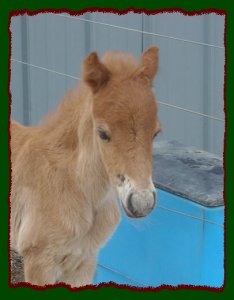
188 172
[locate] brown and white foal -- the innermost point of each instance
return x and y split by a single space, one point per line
67 171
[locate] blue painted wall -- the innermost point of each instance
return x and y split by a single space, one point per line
181 242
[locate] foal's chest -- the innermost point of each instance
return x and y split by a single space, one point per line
78 251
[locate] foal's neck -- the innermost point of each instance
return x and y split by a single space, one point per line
71 140
91 172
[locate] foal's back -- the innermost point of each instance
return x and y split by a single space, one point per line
20 135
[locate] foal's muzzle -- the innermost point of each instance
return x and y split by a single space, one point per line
140 204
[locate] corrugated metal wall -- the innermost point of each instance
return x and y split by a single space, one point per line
48 50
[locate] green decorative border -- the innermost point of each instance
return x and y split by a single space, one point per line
7 8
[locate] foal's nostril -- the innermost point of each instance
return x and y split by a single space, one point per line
121 177
129 203
155 198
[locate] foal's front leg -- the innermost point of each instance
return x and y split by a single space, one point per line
39 268
82 275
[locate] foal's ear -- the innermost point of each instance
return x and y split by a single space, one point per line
95 74
148 65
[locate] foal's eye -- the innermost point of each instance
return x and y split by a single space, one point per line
156 133
103 135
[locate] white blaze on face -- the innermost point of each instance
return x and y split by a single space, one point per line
136 202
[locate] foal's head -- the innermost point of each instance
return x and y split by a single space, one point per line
125 123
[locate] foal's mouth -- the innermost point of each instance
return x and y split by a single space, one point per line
131 215
135 214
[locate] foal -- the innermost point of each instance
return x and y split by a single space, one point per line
67 171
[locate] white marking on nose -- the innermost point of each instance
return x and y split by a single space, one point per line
139 202
125 189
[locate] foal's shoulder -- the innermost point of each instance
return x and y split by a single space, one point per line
22 141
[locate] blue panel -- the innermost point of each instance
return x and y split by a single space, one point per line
213 256
105 275
215 215
166 247
182 205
